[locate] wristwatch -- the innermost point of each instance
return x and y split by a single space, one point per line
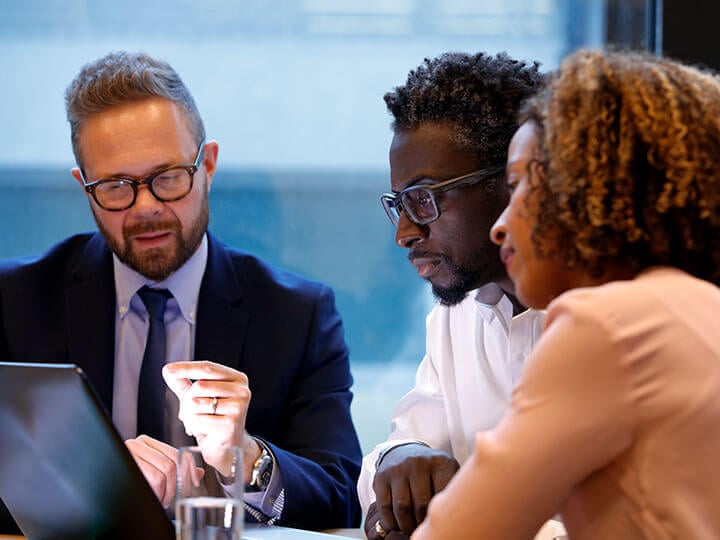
262 471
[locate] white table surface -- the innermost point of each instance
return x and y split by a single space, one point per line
263 532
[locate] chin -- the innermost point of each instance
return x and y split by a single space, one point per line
532 301
449 296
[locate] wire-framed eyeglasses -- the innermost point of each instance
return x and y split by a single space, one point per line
418 201
168 185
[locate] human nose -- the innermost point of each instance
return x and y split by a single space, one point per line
499 228
146 201
407 232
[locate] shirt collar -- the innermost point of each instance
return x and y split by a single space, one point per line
493 300
489 294
184 283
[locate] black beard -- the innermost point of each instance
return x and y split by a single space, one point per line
450 296
487 267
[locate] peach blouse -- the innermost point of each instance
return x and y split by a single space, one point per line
615 423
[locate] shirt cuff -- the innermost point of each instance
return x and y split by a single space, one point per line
271 501
395 444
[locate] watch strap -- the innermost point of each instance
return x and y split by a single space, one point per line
262 470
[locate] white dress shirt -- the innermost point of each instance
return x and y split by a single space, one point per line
474 354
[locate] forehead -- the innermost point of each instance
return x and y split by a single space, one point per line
524 144
428 151
135 137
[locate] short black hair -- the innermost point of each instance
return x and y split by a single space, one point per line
479 95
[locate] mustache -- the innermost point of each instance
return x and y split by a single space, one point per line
143 228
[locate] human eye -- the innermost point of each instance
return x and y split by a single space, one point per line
423 198
114 188
170 176
512 183
113 184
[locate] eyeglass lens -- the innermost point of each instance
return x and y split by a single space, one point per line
419 203
166 186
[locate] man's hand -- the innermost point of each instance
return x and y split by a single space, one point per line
214 401
158 463
373 515
406 479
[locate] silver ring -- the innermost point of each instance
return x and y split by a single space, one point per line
214 405
382 533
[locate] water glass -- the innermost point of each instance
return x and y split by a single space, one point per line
209 499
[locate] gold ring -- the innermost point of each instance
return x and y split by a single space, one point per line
382 533
214 405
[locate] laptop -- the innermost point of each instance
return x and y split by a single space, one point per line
65 472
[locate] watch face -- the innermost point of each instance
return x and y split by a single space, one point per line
265 473
262 473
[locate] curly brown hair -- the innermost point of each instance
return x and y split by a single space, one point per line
631 147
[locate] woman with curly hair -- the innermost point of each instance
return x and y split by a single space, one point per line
613 226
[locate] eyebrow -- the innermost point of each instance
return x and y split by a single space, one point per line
155 169
416 181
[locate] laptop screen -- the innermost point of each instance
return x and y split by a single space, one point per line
65 472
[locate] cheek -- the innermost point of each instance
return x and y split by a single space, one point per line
113 222
543 282
517 225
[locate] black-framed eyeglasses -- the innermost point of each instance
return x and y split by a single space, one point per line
419 202
167 185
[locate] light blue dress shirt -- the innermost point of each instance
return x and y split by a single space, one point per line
131 330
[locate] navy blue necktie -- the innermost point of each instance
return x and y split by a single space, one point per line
151 390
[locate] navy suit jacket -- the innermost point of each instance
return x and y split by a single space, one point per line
280 329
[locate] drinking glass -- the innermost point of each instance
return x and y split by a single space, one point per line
209 499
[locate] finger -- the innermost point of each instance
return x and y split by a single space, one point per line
441 476
188 470
370 518
421 491
178 385
370 526
203 370
385 508
205 389
199 410
169 451
402 506
158 463
218 427
218 405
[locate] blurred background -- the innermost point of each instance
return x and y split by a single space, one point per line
292 90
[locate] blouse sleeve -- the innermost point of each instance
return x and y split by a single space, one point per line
570 415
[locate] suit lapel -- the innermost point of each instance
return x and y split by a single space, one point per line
90 300
222 321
